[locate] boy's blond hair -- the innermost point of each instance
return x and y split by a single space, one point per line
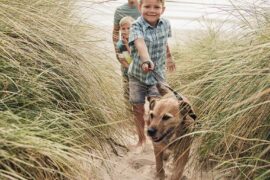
162 2
126 20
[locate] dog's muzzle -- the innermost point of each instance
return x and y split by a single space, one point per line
153 131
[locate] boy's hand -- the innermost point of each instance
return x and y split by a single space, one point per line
171 65
125 41
147 66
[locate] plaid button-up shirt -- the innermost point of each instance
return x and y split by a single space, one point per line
156 41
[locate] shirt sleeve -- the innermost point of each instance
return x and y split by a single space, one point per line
135 33
120 46
169 29
117 17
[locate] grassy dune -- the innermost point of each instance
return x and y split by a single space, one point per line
59 101
227 76
56 107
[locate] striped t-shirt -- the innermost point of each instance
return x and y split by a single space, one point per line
125 10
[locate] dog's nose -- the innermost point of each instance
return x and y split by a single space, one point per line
151 131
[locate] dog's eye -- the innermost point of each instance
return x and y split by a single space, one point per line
166 117
151 115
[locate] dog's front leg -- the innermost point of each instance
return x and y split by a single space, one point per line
159 162
182 159
179 167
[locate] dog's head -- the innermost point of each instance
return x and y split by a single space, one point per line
165 115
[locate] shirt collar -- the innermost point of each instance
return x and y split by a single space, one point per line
146 25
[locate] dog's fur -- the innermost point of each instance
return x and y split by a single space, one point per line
168 119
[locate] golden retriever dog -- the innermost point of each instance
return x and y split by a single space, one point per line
168 119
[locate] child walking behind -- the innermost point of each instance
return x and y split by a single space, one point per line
123 52
150 52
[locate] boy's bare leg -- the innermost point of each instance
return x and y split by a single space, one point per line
138 111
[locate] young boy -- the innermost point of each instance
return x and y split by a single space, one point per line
130 8
123 52
149 51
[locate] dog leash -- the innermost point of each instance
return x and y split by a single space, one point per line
159 79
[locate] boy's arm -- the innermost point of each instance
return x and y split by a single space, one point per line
146 63
170 63
115 38
120 57
125 41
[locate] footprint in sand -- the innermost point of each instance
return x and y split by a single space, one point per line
138 163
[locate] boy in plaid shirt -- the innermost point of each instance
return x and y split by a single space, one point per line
150 52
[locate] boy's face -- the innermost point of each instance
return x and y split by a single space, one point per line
133 2
151 10
125 30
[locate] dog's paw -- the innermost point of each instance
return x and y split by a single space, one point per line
177 178
166 155
160 175
184 178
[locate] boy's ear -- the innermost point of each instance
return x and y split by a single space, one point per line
163 9
140 8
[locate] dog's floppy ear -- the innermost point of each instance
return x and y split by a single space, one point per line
185 109
152 104
162 89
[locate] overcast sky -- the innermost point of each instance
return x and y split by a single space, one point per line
183 14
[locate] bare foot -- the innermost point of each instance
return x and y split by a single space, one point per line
138 148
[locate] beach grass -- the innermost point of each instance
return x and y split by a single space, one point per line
226 76
58 109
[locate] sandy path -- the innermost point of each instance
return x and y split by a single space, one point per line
135 166
131 165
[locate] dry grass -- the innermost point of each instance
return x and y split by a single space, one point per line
57 108
226 75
